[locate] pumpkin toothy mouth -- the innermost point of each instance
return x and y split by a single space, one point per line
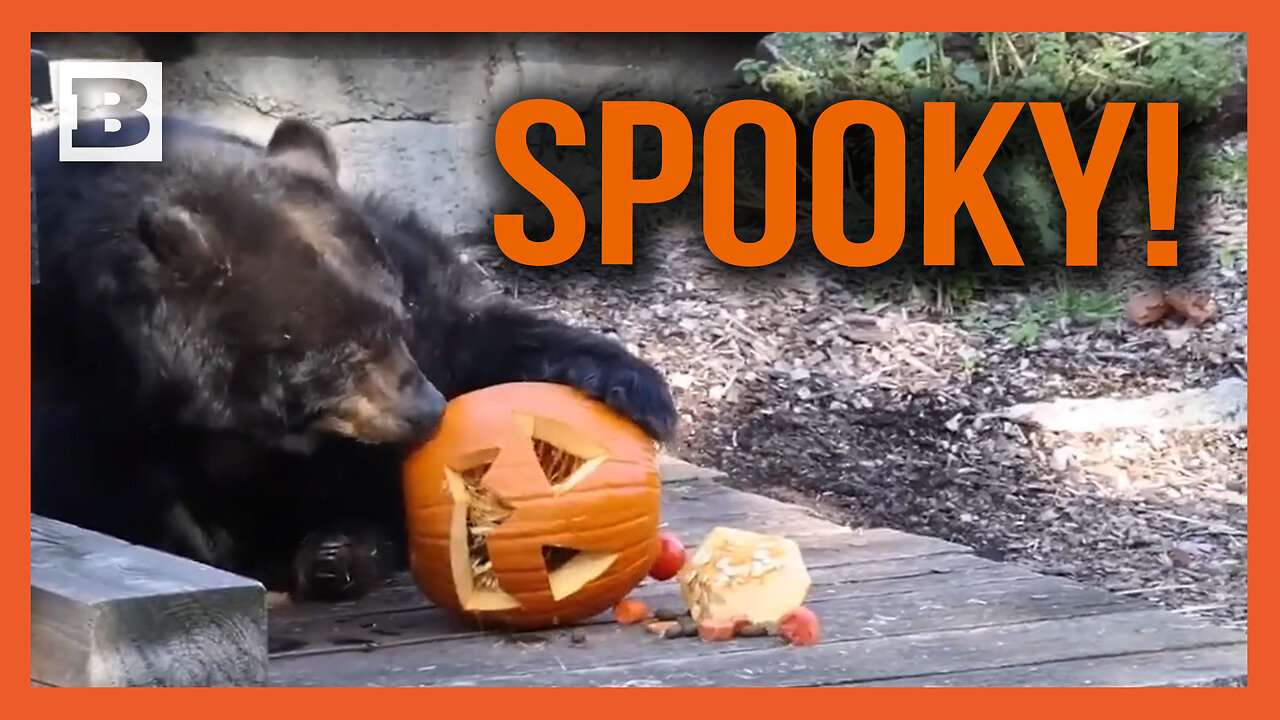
565 461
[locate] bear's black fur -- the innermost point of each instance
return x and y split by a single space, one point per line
317 518
230 289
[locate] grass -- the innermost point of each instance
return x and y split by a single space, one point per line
1067 302
1226 173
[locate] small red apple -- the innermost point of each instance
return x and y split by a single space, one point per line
670 558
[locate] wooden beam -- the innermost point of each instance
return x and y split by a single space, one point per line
105 612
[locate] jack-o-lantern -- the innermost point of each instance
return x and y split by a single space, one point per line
533 506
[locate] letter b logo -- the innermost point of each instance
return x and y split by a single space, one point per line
109 111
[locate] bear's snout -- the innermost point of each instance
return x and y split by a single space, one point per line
393 403
423 407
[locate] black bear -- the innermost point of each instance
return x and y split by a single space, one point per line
228 290
314 517
335 520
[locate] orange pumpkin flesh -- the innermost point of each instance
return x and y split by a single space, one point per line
533 506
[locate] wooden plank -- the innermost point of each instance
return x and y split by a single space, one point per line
896 609
673 470
884 556
906 658
693 509
812 533
934 603
108 613
700 506
369 626
704 492
1216 666
709 496
404 600
692 531
819 549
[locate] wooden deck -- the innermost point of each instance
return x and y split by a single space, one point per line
896 609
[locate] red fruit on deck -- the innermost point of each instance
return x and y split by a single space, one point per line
670 558
799 627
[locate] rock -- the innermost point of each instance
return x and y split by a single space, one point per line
1063 458
1224 405
680 381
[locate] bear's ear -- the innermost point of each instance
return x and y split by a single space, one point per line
174 237
304 146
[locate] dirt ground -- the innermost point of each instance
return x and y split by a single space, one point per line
866 396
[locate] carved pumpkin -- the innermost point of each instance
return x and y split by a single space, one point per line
533 506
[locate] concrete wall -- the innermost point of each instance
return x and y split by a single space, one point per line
417 112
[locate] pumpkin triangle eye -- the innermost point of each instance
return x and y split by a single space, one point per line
566 458
558 464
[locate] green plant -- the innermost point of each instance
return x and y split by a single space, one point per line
1082 304
1027 330
1225 171
1229 255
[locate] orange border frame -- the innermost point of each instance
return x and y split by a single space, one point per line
591 16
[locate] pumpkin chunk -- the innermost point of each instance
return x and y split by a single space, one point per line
741 574
630 612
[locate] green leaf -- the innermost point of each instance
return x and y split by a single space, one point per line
913 51
968 73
